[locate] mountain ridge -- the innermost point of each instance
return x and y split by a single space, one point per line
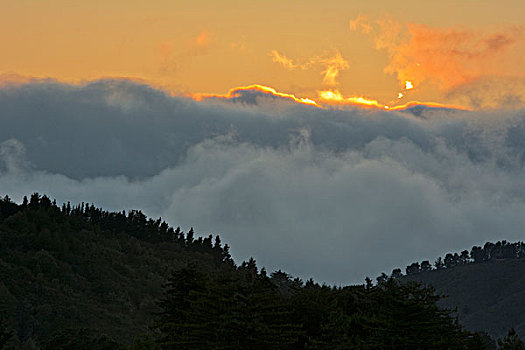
67 267
488 295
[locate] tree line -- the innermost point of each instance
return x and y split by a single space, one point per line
134 223
501 250
96 260
243 308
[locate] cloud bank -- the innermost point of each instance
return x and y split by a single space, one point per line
326 193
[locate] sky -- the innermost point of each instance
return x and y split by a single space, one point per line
449 50
333 140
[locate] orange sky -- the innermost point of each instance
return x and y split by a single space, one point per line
454 52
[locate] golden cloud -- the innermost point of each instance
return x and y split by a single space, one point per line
332 65
202 39
448 57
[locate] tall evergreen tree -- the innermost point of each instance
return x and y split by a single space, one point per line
511 341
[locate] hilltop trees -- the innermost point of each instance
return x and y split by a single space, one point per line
78 276
490 251
70 266
511 341
413 268
134 223
232 308
241 308
425 266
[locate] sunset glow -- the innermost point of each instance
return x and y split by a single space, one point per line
236 92
326 98
364 51
336 98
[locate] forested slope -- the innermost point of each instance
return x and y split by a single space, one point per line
486 285
84 278
489 296
81 266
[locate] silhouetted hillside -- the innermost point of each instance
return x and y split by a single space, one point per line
82 266
84 278
489 296
486 285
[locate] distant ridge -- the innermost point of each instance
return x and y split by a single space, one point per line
486 285
489 296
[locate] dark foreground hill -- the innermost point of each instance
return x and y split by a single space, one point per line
66 267
83 278
489 295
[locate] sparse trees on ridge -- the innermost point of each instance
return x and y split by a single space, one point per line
501 250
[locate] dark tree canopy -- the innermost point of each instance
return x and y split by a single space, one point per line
76 276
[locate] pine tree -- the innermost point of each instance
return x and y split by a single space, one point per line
511 341
5 336
175 323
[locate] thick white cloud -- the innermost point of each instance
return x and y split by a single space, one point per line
333 194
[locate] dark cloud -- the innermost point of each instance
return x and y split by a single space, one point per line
333 194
